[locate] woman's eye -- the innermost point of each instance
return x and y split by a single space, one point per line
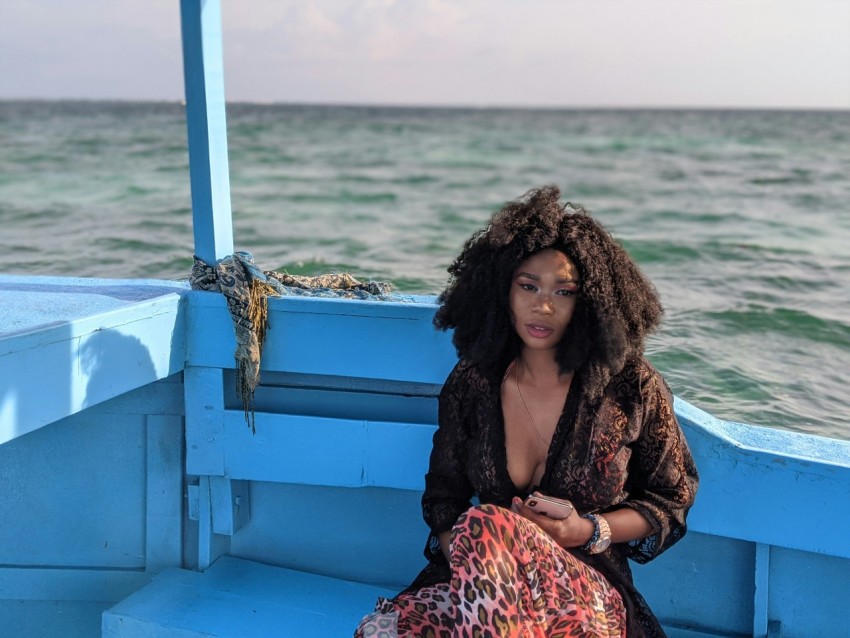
527 286
567 292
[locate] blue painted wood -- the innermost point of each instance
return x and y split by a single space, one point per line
48 618
203 72
58 369
241 598
164 492
237 597
762 591
206 550
163 398
72 495
81 513
230 505
371 535
346 338
204 421
211 543
704 581
350 398
90 585
748 492
808 592
29 302
321 451
741 466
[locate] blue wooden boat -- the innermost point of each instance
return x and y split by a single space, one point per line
136 502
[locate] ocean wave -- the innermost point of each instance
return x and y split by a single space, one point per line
788 322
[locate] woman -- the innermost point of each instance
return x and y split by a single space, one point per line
552 396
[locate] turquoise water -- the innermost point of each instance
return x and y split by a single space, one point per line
742 219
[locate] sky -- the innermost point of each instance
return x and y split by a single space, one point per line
481 53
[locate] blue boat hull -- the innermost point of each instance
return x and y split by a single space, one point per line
126 454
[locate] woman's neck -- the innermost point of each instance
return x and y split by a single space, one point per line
539 367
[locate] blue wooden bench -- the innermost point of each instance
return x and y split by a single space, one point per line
327 489
237 597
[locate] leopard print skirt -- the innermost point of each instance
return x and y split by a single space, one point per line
509 580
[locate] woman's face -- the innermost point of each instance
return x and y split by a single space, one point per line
543 298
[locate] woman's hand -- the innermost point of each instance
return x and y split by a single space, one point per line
573 531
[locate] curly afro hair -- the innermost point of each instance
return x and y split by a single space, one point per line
617 306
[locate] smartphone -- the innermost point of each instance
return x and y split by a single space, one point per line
548 506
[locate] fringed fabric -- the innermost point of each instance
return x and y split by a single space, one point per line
247 289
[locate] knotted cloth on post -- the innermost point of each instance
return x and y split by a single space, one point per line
246 289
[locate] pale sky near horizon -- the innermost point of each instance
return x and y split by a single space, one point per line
547 53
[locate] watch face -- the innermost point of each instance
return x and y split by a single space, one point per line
602 544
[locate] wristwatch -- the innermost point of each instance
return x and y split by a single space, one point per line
601 538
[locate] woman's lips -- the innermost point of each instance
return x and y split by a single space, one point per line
538 332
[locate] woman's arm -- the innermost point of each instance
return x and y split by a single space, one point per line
663 478
447 488
627 525
575 531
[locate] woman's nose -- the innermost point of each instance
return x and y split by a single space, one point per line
544 304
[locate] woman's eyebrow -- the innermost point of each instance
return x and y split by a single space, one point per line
534 277
527 275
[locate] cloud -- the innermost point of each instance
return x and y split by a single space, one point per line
476 52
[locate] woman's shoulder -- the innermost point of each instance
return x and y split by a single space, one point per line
466 375
638 376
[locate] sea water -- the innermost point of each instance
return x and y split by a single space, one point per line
741 218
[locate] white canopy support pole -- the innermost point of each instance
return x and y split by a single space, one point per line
203 72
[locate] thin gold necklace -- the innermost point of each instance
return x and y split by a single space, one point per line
527 411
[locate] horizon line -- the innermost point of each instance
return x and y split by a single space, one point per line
444 106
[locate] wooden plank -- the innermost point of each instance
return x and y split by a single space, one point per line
769 472
242 598
211 545
63 329
30 304
230 505
346 338
52 618
80 584
676 583
397 454
296 449
204 421
164 494
203 73
310 450
237 597
165 398
72 495
808 592
87 362
761 599
392 404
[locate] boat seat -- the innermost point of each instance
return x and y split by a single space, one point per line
237 597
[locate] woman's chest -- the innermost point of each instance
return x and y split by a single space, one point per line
587 461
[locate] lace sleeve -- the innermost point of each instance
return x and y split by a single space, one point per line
447 488
663 475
